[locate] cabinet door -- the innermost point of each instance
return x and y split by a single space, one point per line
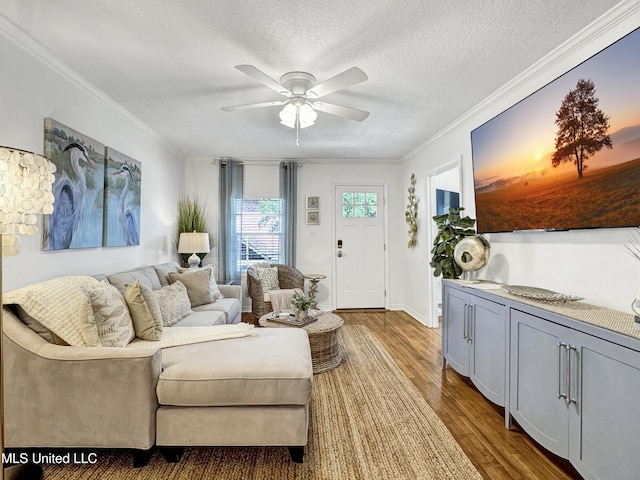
538 369
488 363
604 429
455 347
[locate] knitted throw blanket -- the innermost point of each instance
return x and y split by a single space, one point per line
175 336
281 299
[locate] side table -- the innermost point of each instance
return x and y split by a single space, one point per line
326 353
314 278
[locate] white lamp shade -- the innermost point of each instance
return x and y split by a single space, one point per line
194 242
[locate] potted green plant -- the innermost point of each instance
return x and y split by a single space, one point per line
301 305
452 228
192 218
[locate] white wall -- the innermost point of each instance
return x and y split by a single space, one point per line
589 263
315 248
34 85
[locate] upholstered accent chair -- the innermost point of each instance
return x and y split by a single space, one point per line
259 285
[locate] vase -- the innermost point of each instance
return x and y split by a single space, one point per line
300 315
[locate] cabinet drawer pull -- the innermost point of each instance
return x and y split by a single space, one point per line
569 399
464 322
560 346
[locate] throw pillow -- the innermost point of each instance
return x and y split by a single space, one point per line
215 290
197 283
111 319
174 303
269 278
145 311
40 329
58 304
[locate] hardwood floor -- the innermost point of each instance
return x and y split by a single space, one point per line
476 423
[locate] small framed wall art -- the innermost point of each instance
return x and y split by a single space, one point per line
313 217
313 203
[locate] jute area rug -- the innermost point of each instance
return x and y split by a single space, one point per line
368 421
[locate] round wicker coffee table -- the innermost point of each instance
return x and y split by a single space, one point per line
326 353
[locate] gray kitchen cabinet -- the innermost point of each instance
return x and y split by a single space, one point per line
474 340
576 395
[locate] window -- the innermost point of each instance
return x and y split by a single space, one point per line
359 205
261 231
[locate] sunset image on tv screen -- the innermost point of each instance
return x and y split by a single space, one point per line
567 156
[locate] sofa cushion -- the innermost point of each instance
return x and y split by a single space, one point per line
163 270
111 325
197 283
272 368
174 303
230 307
145 311
202 319
146 275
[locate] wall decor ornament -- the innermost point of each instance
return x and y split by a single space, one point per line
122 199
313 217
77 219
313 203
412 213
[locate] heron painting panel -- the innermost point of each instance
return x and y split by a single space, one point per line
77 220
122 199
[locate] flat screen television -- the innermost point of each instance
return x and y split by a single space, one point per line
567 156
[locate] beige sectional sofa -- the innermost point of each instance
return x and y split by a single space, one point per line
252 390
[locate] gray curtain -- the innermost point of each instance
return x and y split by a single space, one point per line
289 202
230 242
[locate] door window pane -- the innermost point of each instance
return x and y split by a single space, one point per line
359 205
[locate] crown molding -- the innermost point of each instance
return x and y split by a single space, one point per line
30 45
536 74
301 161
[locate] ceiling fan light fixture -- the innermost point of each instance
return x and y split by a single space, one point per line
306 115
296 114
288 115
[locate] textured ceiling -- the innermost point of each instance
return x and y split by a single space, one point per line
171 63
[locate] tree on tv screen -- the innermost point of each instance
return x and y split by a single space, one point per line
582 127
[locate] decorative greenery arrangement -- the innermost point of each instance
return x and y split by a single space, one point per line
192 218
412 213
451 229
301 303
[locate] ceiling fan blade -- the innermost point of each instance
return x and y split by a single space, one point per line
256 74
342 80
339 110
254 105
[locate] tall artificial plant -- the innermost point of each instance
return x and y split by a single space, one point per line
192 218
452 228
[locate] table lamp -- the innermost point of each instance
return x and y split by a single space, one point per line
25 191
194 243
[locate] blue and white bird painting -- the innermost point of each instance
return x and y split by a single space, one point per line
77 219
122 194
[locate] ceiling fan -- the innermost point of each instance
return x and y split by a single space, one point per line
300 88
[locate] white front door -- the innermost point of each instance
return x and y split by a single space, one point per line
359 246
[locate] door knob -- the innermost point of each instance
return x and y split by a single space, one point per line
339 253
